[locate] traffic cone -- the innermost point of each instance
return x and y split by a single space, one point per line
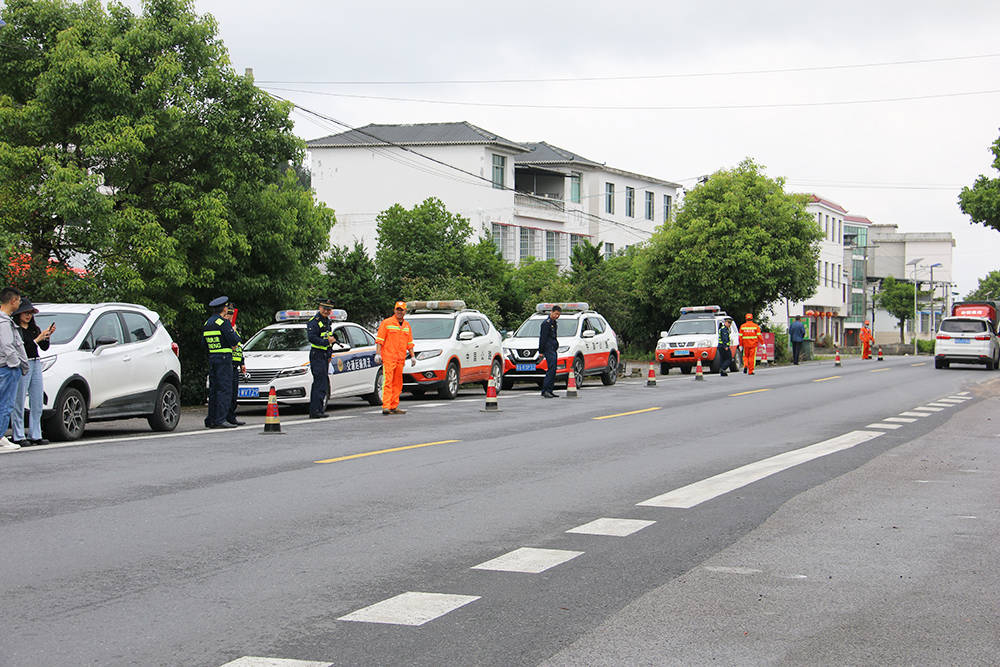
836 360
880 353
491 396
272 425
698 373
571 386
651 378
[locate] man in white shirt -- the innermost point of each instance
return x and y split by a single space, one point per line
13 361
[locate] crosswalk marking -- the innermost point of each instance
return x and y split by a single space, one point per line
942 405
961 398
529 560
253 661
889 427
411 608
903 420
612 527
914 414
928 408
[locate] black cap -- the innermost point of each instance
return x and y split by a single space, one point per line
218 301
25 307
325 303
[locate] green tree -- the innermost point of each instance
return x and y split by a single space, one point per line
612 288
988 288
739 240
585 257
487 268
897 299
473 292
539 281
352 282
981 202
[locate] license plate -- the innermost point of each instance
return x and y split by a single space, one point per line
962 340
524 367
685 353
248 392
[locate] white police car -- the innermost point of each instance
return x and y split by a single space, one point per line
587 345
278 356
693 336
453 345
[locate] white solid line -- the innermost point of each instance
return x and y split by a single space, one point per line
612 527
914 414
697 493
528 559
732 570
410 608
901 420
890 427
252 661
428 405
927 408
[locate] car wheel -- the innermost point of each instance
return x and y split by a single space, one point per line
714 366
70 416
166 410
577 371
686 370
496 372
938 364
375 398
664 369
449 390
506 384
610 376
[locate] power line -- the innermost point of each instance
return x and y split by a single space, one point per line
642 77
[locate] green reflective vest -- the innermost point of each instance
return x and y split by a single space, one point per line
213 336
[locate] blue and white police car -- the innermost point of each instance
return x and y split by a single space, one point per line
278 356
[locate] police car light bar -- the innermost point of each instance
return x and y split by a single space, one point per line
566 306
700 309
338 315
452 305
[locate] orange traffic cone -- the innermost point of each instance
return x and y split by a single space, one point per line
880 353
651 378
836 360
491 396
698 373
571 386
272 424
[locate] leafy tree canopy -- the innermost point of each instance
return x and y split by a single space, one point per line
897 299
989 287
981 202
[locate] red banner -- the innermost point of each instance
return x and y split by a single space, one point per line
765 350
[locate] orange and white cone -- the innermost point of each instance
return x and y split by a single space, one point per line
571 386
651 378
272 424
880 353
836 359
699 374
491 396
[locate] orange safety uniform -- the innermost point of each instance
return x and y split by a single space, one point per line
866 339
396 339
749 339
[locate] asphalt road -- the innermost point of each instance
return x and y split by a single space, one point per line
440 537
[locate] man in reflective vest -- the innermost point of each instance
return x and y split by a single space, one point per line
220 339
724 350
238 368
320 333
394 343
866 339
749 339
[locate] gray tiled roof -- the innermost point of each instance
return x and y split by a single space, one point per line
421 134
543 153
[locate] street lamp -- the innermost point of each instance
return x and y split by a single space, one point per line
913 263
932 294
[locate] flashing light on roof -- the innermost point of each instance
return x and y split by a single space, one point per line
565 306
700 309
452 305
337 315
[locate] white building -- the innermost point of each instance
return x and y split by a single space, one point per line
535 200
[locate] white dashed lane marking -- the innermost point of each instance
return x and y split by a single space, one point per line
952 401
890 427
914 414
902 420
942 405
410 608
927 408
612 527
251 661
529 560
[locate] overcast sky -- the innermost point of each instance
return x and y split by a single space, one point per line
900 162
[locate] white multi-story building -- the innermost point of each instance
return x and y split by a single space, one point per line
534 200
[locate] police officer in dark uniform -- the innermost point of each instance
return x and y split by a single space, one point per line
548 347
220 340
320 334
724 351
238 368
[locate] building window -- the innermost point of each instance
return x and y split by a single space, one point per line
527 243
666 207
609 250
609 197
826 227
574 241
649 206
826 273
629 201
574 188
840 232
551 245
499 170
498 236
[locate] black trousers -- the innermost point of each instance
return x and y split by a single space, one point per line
549 383
231 414
220 387
796 351
725 358
319 365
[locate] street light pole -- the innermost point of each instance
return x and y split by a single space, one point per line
932 294
914 263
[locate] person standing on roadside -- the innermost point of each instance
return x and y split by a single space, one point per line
30 388
749 339
724 350
319 333
13 361
796 334
866 338
238 368
393 343
220 340
548 347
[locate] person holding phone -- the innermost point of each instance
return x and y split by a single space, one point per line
30 388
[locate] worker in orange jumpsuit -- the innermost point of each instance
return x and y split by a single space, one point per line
394 343
866 339
749 339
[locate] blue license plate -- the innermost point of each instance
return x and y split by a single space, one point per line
524 367
685 353
248 392
962 340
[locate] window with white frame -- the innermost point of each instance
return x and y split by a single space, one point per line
667 200
649 205
574 241
609 250
527 243
609 197
498 236
552 245
629 201
499 171
574 188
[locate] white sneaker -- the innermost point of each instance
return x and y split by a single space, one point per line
7 444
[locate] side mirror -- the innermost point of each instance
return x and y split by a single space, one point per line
589 333
509 334
102 343
339 347
466 335
664 334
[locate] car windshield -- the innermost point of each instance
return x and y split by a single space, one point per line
67 325
425 328
963 326
531 328
285 339
686 327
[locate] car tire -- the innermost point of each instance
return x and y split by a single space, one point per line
577 371
496 371
939 364
506 384
714 366
375 398
449 389
167 408
686 369
70 416
610 375
664 369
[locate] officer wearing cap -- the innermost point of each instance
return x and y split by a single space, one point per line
220 339
724 351
320 335
238 368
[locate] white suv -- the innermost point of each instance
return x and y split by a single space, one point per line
693 336
453 345
966 340
587 345
107 361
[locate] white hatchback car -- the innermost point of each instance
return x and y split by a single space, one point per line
107 361
587 345
278 356
453 345
966 340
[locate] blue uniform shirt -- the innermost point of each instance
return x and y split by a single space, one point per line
547 341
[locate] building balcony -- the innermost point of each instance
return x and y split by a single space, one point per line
539 207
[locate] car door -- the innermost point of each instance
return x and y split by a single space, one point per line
342 381
362 359
481 356
111 378
147 360
467 351
594 356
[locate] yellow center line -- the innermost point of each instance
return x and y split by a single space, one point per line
922 363
752 391
832 377
879 370
624 414
385 451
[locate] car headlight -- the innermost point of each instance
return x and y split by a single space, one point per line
427 354
48 361
289 372
704 343
563 348
662 345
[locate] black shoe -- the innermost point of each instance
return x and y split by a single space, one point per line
22 443
744 369
35 443
723 374
236 422
319 416
223 425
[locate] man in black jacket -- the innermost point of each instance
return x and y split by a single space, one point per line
548 347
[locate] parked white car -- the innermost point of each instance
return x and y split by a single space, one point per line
695 335
966 340
107 361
